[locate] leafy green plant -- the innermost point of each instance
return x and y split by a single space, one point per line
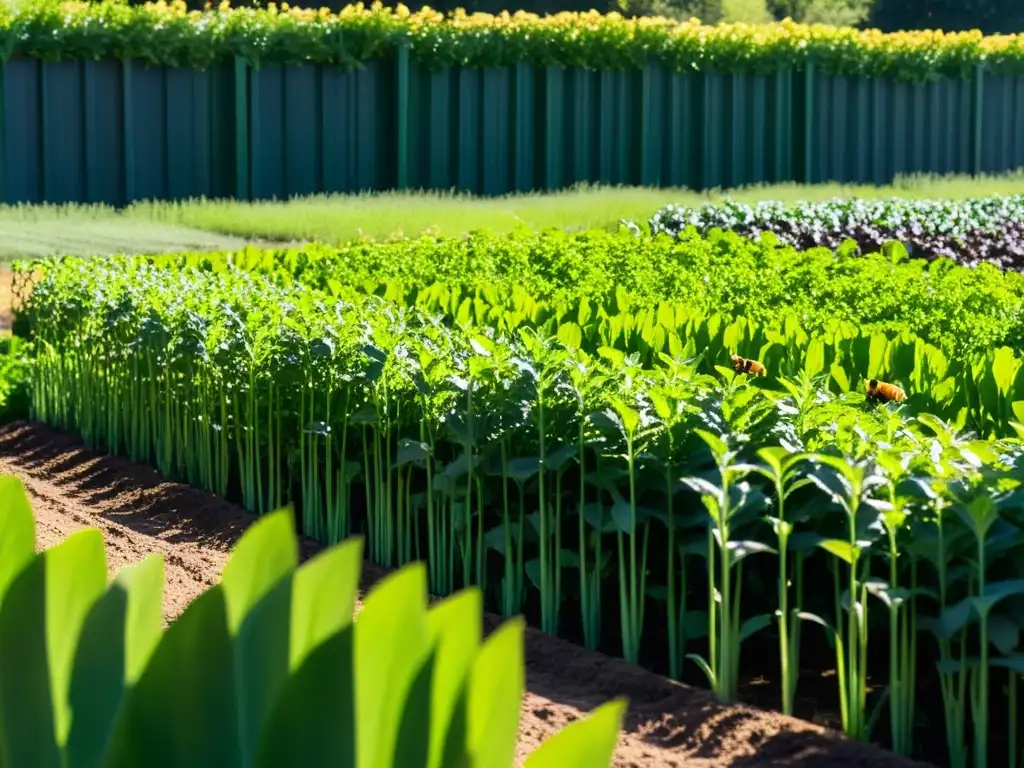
165 33
260 669
509 439
972 231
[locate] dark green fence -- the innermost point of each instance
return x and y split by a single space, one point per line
113 132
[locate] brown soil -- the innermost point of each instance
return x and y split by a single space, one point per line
141 513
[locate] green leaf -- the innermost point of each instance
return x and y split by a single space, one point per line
314 719
754 624
118 639
17 531
844 550
718 448
391 645
570 335
409 451
1003 634
495 694
980 514
587 743
1004 369
814 361
455 628
840 377
324 593
40 623
630 418
257 590
182 712
1018 410
704 667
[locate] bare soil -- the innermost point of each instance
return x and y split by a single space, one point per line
669 724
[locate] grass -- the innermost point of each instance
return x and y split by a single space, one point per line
200 224
97 233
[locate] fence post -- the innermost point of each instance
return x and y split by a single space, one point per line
649 168
241 129
127 110
977 111
808 123
402 117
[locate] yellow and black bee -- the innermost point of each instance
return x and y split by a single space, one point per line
883 392
751 367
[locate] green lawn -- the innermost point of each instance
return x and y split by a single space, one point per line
201 224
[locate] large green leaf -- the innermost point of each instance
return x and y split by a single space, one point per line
495 695
323 597
814 360
454 626
118 639
40 624
182 712
314 720
587 743
257 592
17 531
391 645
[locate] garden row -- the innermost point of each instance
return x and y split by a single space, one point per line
599 464
167 33
971 232
961 311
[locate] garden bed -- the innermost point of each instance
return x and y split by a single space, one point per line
141 513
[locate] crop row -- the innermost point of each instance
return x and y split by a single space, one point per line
977 391
962 311
970 232
169 34
486 441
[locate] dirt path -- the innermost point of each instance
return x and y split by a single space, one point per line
669 725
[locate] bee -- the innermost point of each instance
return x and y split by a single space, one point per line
883 392
751 367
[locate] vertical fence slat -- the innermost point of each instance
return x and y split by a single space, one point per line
402 118
524 156
808 123
128 114
554 137
495 139
583 126
241 129
469 130
977 111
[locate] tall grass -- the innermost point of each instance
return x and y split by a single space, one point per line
97 229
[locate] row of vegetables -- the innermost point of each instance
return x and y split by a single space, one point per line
603 465
961 311
970 232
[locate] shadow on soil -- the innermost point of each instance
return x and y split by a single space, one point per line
668 723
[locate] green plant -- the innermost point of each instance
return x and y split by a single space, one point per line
508 440
260 669
15 369
162 33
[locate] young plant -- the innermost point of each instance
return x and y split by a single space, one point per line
730 504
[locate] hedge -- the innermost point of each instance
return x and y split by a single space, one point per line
171 35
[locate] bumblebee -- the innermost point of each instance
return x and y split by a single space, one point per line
751 367
883 392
